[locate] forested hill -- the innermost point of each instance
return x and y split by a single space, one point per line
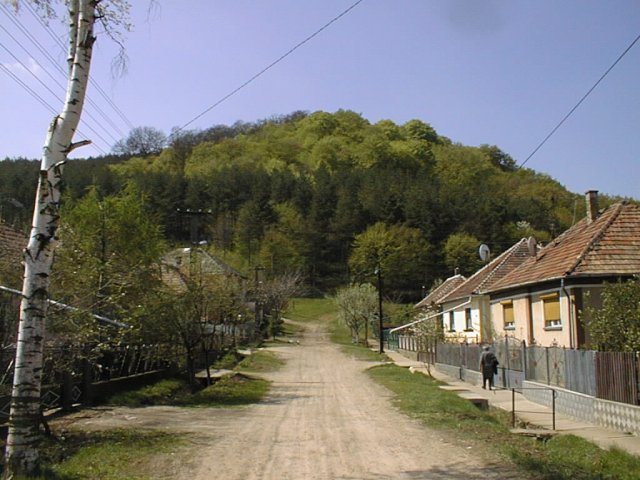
299 191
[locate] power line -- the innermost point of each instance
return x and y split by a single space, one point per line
268 67
20 26
580 101
93 82
28 89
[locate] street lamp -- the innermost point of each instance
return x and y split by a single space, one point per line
378 272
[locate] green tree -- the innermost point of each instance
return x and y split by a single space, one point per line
22 457
283 247
357 306
616 325
401 252
461 252
109 252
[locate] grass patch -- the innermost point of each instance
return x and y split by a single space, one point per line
260 361
340 334
311 309
561 458
419 396
229 391
164 392
110 455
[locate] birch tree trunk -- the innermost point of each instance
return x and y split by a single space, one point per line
22 456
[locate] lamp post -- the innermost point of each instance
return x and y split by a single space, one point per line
378 272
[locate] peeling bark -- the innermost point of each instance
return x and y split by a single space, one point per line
21 453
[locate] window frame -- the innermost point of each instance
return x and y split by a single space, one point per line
551 311
468 320
508 319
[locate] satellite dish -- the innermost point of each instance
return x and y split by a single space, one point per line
532 245
484 252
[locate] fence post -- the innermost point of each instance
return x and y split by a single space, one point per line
66 399
508 362
546 352
524 359
86 382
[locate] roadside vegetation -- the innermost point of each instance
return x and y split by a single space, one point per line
311 309
239 388
561 457
110 455
130 454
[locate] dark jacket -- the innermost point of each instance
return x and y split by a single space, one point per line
488 364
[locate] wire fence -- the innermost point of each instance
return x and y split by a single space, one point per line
611 376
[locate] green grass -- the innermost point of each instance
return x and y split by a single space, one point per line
311 309
110 455
260 361
339 334
561 458
164 392
236 390
229 391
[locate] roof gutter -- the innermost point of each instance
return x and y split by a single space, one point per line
64 306
430 316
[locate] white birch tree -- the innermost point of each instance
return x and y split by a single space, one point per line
22 457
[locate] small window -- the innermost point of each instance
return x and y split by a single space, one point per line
467 317
507 315
452 323
551 305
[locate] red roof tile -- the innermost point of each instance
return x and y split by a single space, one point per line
607 246
492 272
441 291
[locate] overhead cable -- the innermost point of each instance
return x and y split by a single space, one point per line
268 67
580 101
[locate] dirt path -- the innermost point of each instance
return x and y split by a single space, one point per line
324 419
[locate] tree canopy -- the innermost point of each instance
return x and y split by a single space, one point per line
296 191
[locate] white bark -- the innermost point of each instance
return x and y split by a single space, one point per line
21 453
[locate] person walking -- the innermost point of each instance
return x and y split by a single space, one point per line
488 366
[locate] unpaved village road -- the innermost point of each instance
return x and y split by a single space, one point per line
324 419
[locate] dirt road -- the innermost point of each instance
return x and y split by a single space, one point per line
324 419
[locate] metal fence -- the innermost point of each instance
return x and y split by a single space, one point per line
607 375
70 371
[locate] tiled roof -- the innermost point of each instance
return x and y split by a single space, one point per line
11 242
441 291
12 245
606 246
492 272
177 264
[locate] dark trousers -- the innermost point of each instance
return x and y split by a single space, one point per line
487 378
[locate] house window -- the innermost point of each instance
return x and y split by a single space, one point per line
507 315
551 305
467 318
452 323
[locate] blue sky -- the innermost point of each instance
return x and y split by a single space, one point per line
500 72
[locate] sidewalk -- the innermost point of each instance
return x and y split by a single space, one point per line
528 411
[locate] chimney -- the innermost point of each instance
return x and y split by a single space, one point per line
592 205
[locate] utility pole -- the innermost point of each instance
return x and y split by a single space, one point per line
378 272
258 304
